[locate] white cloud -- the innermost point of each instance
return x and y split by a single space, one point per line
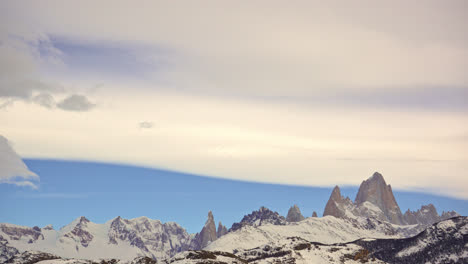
267 48
12 168
258 141
358 69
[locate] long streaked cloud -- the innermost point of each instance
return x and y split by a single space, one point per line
12 168
265 142
315 93
265 48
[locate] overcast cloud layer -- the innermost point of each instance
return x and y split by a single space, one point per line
315 93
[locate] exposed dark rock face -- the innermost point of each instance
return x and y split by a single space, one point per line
18 232
376 191
448 215
427 215
375 199
443 242
337 205
31 257
259 217
6 251
222 230
48 227
149 235
207 235
314 214
79 232
294 214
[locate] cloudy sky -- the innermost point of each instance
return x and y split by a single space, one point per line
312 93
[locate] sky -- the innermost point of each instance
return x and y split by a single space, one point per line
309 93
103 191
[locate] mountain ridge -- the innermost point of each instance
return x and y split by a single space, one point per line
374 212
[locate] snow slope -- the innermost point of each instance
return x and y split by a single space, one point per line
325 230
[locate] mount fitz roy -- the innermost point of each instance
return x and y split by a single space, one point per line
372 228
375 199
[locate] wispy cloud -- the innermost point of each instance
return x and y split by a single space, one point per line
77 103
56 195
146 124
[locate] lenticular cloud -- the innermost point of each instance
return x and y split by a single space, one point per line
12 168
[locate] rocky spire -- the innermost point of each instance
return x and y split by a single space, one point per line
222 230
314 214
376 191
448 215
294 214
207 234
335 204
258 218
427 215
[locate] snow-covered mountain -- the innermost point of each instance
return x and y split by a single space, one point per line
370 228
375 199
118 238
444 242
324 230
260 217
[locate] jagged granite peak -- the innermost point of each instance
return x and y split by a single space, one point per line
376 191
222 230
258 218
448 215
207 234
427 215
337 205
294 214
314 214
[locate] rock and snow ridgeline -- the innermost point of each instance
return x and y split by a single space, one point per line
263 236
375 200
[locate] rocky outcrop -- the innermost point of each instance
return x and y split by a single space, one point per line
259 217
443 242
294 214
30 257
448 215
14 232
337 205
6 251
376 191
207 235
314 214
48 227
80 233
427 215
125 237
375 200
149 235
222 230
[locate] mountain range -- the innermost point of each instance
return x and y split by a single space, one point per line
372 228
